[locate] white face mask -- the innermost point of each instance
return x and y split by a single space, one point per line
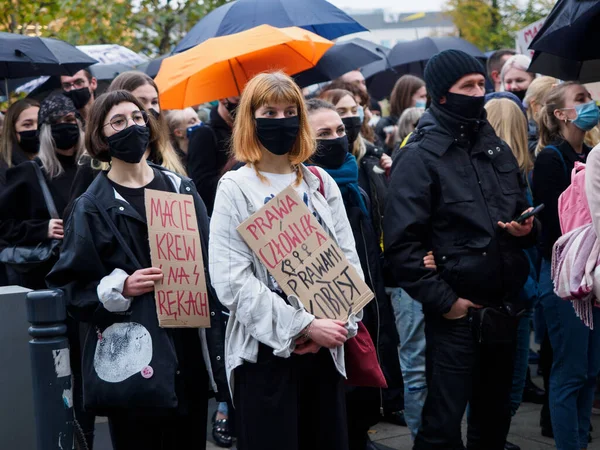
374 120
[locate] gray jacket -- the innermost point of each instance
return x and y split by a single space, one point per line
243 283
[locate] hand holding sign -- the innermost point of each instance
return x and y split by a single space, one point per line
303 259
141 282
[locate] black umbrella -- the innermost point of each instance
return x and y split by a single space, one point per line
411 58
340 59
566 47
151 68
24 56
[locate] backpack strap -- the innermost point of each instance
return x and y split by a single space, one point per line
92 198
45 191
562 158
315 171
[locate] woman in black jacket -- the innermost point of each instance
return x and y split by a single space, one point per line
19 141
364 405
372 177
161 404
24 216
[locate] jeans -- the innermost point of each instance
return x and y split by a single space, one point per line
576 364
521 361
461 371
410 323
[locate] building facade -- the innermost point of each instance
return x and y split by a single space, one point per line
388 27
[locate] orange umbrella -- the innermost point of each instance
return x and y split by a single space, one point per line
220 67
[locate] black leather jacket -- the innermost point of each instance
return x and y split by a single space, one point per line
90 252
450 186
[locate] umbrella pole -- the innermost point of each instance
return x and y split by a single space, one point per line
237 86
6 91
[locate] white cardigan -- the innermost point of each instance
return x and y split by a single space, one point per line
241 280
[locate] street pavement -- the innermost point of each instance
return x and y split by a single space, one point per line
525 432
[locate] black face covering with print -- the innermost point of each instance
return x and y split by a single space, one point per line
331 153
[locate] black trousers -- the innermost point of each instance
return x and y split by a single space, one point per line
172 432
294 403
461 371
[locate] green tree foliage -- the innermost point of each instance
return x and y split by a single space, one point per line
492 24
150 26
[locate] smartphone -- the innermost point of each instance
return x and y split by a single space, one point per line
522 218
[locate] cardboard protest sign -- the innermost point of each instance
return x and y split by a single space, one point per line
525 36
175 248
303 259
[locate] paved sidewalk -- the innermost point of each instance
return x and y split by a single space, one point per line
525 432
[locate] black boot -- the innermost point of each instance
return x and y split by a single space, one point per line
532 393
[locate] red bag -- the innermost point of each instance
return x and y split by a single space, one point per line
362 366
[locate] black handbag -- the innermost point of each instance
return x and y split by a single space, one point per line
27 258
128 361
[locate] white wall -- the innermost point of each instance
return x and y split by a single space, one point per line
390 37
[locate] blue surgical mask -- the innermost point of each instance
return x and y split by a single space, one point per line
361 113
421 104
587 116
193 128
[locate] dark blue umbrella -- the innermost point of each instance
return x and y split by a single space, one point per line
25 56
340 59
318 16
566 47
151 68
411 58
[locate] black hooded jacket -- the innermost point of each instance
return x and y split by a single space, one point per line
450 186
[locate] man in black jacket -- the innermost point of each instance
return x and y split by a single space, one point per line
455 189
208 151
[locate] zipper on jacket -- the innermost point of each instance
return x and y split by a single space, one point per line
362 232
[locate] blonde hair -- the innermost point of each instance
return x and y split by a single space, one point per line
264 89
47 154
520 62
510 124
407 121
537 91
548 123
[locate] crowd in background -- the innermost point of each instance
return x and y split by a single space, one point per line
419 191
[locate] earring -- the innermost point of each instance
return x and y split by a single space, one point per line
566 121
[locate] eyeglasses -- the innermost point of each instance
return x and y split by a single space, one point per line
78 84
120 121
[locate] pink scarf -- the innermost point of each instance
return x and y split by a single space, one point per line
576 270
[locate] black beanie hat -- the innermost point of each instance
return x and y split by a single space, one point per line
446 68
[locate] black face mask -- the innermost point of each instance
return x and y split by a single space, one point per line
65 135
519 94
30 142
130 144
464 105
79 97
331 153
353 126
154 112
232 108
278 135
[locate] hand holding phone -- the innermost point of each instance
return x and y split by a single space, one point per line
535 211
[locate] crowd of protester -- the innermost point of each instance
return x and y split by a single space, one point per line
422 201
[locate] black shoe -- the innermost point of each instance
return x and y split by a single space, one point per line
396 418
220 432
533 394
510 446
548 432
